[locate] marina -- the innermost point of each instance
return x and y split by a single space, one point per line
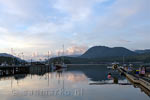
74 50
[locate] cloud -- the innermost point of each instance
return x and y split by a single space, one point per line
40 26
126 41
72 50
118 15
119 22
21 8
12 7
3 30
76 50
78 10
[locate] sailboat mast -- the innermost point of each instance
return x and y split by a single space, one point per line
48 58
63 53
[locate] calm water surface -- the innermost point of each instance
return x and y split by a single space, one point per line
75 83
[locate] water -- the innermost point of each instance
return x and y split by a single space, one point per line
75 83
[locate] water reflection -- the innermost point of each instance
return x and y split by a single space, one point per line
76 82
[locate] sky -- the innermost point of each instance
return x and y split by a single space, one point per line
35 27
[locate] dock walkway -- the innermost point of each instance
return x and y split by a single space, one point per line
144 81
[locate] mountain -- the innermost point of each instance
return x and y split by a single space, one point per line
142 51
102 55
5 55
77 55
8 57
103 52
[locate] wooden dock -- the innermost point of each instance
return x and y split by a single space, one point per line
135 79
11 70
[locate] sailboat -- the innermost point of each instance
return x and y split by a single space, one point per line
62 64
